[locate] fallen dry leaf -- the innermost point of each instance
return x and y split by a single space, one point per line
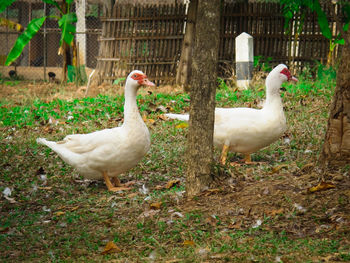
11 200
210 191
278 167
276 212
151 121
162 117
146 120
74 208
156 206
159 187
307 167
132 195
320 187
235 225
149 213
110 248
189 243
45 187
169 184
59 213
211 221
182 125
218 256
172 183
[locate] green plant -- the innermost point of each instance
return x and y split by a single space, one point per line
222 83
66 22
118 81
292 8
77 75
262 63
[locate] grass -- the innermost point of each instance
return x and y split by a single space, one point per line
55 215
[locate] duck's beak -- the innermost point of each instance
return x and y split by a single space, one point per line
146 82
293 79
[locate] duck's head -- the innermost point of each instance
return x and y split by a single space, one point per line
279 75
282 73
137 79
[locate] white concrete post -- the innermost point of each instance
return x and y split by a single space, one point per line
244 60
81 30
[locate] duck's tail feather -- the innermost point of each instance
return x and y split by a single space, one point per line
181 117
43 141
67 155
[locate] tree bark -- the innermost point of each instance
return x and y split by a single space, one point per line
202 93
336 148
65 51
184 70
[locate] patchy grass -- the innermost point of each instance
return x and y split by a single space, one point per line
253 214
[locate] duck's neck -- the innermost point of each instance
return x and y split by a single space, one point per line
273 98
131 111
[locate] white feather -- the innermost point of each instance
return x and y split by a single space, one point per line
113 150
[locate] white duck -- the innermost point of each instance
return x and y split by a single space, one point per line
110 152
246 130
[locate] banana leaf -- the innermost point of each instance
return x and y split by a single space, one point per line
52 2
24 38
4 4
66 23
322 21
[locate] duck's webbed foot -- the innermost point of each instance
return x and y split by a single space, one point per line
246 161
117 185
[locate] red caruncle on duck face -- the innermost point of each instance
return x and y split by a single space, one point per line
287 73
142 79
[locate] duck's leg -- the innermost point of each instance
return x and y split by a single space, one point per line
224 154
110 185
248 159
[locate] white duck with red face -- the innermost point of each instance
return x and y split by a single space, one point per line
107 153
246 130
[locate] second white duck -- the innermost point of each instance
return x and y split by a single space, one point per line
246 130
107 153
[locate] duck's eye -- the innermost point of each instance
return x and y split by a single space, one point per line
135 76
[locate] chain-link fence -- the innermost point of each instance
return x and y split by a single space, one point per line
40 56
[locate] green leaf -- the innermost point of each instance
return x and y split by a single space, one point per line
340 41
4 4
322 21
69 1
52 2
67 27
346 26
32 28
117 81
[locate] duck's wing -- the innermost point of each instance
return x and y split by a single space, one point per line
83 143
236 116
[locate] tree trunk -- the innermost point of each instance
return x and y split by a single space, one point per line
184 69
64 50
336 148
203 88
67 60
